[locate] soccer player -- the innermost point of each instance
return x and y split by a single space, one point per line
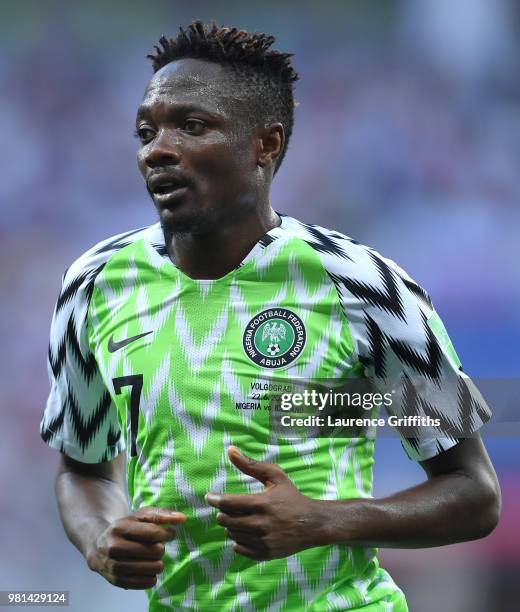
166 339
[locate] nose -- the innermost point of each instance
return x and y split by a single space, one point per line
163 151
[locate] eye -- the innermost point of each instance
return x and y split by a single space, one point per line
145 134
194 126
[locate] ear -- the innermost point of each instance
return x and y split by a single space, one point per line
271 142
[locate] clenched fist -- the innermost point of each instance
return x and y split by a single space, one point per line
129 552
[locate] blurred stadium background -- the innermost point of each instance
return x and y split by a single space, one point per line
407 138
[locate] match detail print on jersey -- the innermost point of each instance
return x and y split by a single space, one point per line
274 338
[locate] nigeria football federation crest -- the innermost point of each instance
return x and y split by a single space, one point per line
274 338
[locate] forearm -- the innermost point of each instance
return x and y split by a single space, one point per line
446 509
87 505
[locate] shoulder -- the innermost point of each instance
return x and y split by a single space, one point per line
73 303
82 272
356 267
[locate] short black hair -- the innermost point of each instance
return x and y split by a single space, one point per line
266 76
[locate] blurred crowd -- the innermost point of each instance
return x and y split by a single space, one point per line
407 138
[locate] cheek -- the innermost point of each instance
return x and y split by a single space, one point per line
141 163
225 163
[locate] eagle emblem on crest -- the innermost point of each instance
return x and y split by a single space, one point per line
274 331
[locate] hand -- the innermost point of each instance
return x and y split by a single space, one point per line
128 553
278 522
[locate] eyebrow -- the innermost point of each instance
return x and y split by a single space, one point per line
178 109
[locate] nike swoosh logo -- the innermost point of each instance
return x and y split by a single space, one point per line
115 346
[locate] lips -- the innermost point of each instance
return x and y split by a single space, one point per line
165 184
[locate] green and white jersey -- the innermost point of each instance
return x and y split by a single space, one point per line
145 359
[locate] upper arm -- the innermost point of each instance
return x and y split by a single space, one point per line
469 457
113 470
481 489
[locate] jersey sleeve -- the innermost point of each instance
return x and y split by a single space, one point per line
404 347
401 343
80 418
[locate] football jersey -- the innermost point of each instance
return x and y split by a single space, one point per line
174 370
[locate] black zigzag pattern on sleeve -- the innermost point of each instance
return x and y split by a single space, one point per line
447 425
47 433
338 282
413 442
86 431
377 346
71 289
70 338
411 406
339 236
388 299
92 279
105 457
418 291
468 405
88 366
323 242
429 365
57 364
113 437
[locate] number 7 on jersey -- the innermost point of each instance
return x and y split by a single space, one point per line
136 382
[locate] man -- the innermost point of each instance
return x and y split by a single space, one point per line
162 337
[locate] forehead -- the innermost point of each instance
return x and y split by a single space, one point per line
194 82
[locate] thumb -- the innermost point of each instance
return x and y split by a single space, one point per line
159 516
267 473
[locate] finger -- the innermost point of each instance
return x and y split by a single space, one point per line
248 523
133 582
267 473
235 504
130 550
245 539
143 532
160 516
137 568
248 552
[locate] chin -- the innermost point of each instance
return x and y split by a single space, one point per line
185 222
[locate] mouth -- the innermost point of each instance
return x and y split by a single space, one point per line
169 196
164 188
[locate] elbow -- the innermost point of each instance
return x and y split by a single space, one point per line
487 508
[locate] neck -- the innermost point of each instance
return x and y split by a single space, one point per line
212 255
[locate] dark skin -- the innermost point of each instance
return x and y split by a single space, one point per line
193 133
